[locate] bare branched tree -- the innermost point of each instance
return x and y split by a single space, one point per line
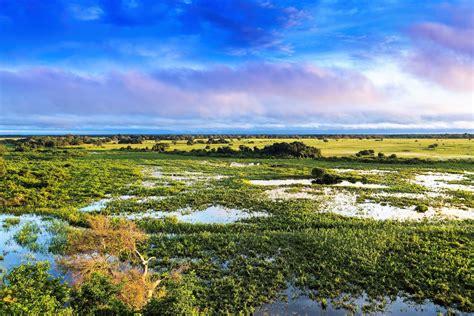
110 246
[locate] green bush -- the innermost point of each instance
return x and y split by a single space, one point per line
29 290
421 208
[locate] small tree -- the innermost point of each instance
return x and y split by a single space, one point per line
110 247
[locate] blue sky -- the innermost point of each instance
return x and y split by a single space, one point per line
104 66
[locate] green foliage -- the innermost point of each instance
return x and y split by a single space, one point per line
98 295
10 222
365 152
421 208
28 235
29 290
178 298
56 182
160 147
323 177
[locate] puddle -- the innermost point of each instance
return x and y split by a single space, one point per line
36 248
278 182
101 204
211 215
96 206
440 181
300 304
420 196
456 213
360 185
238 164
364 172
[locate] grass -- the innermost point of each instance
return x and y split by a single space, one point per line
408 148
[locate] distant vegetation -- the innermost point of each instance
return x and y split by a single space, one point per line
280 150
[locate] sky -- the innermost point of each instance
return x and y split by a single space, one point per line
200 66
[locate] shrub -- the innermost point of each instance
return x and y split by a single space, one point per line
323 177
421 208
160 147
30 290
318 172
365 152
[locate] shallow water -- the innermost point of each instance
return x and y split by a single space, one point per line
15 254
276 182
345 203
437 181
96 206
298 304
211 215
360 185
282 182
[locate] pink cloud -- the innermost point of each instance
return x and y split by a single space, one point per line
265 90
459 40
444 53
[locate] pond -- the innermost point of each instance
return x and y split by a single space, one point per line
211 215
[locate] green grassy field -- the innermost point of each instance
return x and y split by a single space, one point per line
409 148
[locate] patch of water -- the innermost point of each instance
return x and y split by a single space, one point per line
283 182
296 303
239 164
211 215
280 182
365 172
360 185
15 254
419 196
96 206
437 181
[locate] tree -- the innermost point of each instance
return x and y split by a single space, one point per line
30 290
110 247
160 147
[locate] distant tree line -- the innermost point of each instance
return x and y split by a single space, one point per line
34 142
283 150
